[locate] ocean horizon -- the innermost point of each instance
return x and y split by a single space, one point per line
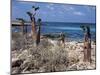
71 30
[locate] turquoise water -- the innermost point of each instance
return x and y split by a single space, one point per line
72 30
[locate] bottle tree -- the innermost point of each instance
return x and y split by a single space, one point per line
38 31
22 21
33 23
87 43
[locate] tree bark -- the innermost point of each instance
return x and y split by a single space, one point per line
34 31
87 46
38 31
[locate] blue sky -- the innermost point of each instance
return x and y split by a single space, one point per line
51 12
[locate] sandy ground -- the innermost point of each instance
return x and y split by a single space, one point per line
75 52
50 56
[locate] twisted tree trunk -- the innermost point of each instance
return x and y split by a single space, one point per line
32 18
34 31
22 28
22 24
87 45
38 31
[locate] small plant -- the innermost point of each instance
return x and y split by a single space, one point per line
62 39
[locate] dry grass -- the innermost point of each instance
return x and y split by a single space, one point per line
48 57
41 58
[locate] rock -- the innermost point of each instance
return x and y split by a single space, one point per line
16 63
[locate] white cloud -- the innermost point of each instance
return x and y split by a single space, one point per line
51 4
78 13
50 7
71 8
68 8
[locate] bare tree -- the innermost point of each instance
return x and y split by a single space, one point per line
22 24
33 22
38 31
87 43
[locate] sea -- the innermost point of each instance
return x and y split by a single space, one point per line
72 31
